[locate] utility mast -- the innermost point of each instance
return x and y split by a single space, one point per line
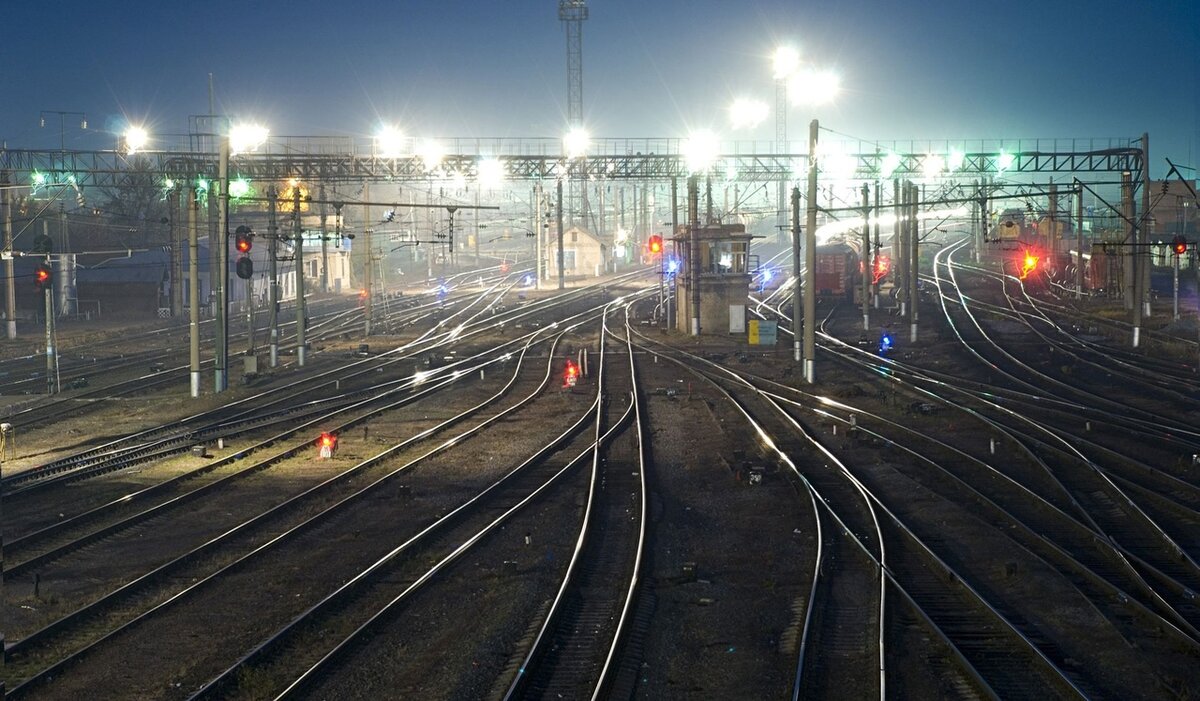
572 13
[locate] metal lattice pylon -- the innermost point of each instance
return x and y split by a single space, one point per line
572 13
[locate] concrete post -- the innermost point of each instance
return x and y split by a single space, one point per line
1079 240
810 260
273 276
10 290
301 310
194 286
221 244
865 258
797 300
562 280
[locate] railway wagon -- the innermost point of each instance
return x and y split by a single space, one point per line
837 270
1102 270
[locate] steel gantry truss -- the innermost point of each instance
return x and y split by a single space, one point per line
114 169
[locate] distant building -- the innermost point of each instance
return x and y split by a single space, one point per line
139 284
583 254
1173 209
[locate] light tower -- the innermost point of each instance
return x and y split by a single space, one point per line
572 13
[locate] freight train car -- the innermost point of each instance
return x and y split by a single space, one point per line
838 269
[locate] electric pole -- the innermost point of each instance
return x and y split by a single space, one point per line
273 275
810 260
301 312
562 283
368 270
221 244
866 257
10 288
194 286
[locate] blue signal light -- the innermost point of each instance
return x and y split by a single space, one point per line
885 342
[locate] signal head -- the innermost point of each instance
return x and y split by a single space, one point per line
42 276
655 243
1179 245
245 267
244 238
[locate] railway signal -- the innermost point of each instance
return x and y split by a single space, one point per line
244 239
1179 245
570 374
245 267
885 342
655 244
1029 263
42 276
882 265
326 445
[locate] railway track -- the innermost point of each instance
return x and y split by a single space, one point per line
336 494
1099 572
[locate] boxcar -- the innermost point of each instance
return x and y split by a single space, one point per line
837 269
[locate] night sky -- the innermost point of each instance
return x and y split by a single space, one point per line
950 70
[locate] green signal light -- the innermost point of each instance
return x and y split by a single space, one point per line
202 191
240 188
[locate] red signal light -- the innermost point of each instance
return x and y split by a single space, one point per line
1179 245
655 243
882 265
1028 263
41 276
244 239
326 444
570 374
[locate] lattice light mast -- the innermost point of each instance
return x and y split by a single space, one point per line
572 13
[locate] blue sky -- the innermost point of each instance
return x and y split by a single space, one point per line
949 70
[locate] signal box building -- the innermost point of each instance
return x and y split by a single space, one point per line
724 277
